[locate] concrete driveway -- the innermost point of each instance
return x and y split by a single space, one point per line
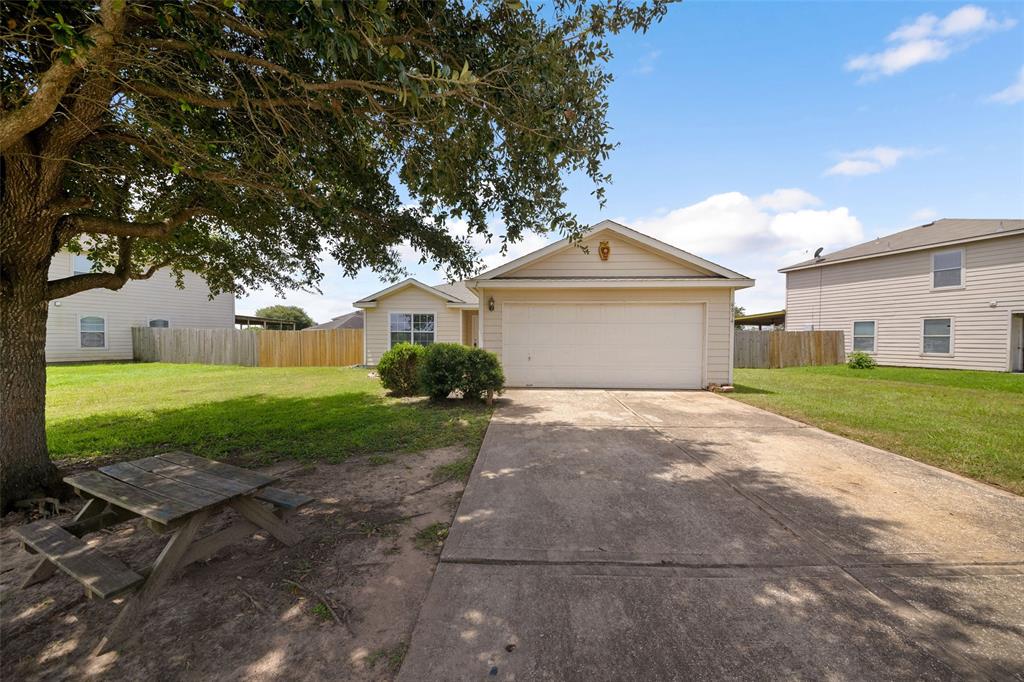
641 535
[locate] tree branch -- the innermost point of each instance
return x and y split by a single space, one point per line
198 100
66 286
122 274
162 229
210 176
54 82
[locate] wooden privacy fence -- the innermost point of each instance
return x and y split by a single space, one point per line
312 348
774 349
249 347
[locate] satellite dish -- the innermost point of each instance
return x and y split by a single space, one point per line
817 254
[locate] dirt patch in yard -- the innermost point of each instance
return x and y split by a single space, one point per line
341 604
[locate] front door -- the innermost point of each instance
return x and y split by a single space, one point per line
474 327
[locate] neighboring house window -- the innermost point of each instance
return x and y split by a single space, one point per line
948 269
864 336
938 335
83 264
159 323
412 328
93 332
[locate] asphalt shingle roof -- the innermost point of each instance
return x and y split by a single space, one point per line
932 234
353 320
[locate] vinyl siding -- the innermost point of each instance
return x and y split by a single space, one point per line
408 300
719 315
627 259
896 292
132 306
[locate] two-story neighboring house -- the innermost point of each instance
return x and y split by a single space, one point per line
949 294
96 324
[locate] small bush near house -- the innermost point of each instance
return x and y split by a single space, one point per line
860 360
399 368
483 373
443 369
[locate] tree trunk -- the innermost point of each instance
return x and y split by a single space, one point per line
25 466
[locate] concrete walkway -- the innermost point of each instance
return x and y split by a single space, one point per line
629 535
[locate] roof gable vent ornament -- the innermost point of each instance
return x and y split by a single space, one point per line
817 254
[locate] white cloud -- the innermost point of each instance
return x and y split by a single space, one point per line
971 19
1013 93
755 236
645 66
789 199
808 228
529 242
928 39
900 58
924 215
721 223
870 161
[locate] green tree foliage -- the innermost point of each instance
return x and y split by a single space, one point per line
292 313
243 140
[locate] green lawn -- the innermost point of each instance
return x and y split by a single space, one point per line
256 415
968 422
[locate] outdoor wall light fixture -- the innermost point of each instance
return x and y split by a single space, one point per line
490 304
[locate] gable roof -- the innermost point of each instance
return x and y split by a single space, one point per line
452 293
353 320
650 242
947 231
459 290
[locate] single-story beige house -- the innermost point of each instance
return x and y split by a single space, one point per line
617 310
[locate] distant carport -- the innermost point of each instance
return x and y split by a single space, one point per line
776 318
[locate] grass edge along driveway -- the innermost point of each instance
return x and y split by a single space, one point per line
249 414
968 422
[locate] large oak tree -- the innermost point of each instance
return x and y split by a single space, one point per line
240 139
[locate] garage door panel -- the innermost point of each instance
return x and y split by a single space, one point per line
604 345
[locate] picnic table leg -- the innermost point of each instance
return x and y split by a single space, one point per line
45 568
254 512
160 572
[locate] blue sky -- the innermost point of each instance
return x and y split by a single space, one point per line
752 133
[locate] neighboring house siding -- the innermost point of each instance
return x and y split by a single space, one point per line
408 300
719 315
132 306
626 260
895 291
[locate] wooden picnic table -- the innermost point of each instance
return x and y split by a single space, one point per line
176 493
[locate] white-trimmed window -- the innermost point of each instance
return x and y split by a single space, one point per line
937 335
864 336
948 269
92 332
82 264
159 322
412 328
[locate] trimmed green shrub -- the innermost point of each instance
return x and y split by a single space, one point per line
399 368
443 369
860 360
483 373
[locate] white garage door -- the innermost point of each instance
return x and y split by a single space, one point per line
603 345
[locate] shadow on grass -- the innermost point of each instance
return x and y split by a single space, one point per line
750 390
261 429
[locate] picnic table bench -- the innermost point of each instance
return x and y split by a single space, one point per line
176 493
